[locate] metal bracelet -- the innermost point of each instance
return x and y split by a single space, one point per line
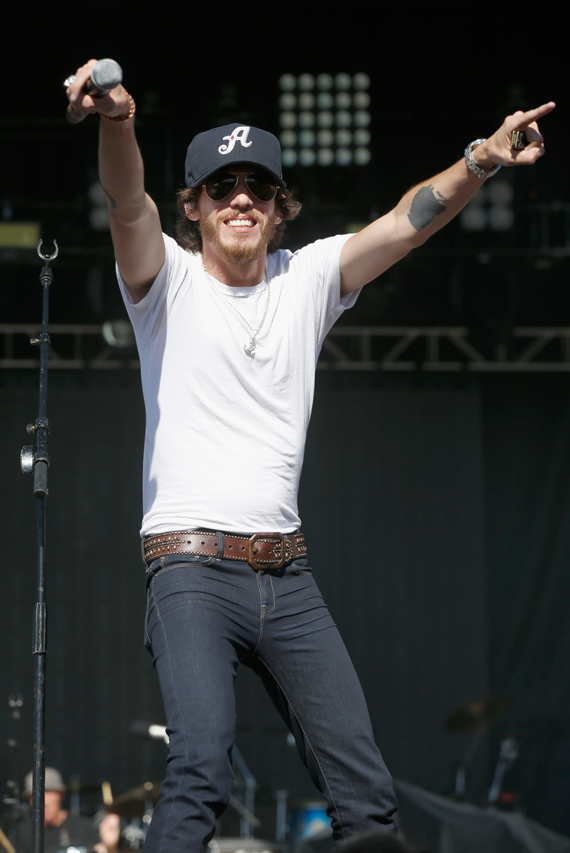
471 164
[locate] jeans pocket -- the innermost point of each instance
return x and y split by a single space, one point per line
300 567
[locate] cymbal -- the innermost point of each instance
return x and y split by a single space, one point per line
478 714
133 802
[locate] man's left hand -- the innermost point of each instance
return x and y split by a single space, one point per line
497 150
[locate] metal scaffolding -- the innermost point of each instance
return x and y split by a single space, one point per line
362 348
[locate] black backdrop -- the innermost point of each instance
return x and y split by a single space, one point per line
527 465
455 496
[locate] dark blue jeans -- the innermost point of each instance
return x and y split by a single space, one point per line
202 620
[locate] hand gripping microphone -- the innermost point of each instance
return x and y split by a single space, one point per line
105 75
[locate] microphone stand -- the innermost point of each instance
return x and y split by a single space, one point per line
37 464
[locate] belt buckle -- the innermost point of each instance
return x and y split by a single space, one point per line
279 539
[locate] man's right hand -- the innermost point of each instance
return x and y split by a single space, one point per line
134 219
115 103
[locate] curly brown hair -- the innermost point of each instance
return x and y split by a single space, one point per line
188 231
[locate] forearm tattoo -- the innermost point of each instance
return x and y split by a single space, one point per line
112 201
426 205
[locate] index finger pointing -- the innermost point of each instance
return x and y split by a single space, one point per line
534 115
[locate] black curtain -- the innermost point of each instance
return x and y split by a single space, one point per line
99 677
527 471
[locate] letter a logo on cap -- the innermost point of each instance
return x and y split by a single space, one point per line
240 134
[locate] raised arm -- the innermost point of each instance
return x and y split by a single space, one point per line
430 205
135 223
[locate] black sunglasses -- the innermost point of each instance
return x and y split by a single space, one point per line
220 185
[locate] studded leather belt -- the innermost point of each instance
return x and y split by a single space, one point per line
261 551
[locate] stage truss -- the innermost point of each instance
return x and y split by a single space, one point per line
352 348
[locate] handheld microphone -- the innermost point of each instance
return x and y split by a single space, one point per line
105 75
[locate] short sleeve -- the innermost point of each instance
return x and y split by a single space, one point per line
318 264
145 315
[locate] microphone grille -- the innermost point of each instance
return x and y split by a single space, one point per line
106 74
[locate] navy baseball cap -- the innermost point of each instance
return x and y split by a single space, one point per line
233 143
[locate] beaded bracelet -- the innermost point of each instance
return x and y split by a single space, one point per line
132 110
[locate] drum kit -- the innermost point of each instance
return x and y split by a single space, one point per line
295 821
308 817
135 808
304 819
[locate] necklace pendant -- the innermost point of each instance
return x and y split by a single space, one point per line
249 347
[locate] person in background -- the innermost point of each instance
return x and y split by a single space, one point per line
64 829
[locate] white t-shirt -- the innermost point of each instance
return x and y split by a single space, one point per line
225 431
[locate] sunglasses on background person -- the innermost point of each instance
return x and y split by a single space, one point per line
220 185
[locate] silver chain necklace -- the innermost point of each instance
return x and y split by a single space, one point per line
249 346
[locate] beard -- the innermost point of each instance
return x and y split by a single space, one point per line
240 250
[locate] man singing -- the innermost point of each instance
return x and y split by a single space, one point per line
229 329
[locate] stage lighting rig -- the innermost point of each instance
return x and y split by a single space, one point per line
325 119
490 208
